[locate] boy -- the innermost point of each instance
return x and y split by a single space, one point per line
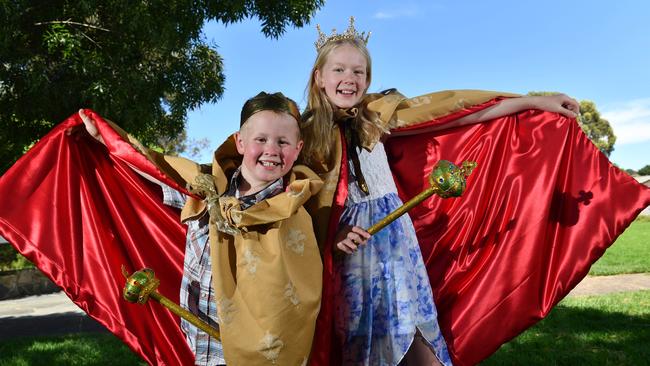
263 254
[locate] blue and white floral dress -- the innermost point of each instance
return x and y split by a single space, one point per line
383 291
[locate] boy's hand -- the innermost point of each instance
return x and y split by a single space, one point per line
350 237
89 125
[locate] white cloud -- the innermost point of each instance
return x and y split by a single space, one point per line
630 121
401 12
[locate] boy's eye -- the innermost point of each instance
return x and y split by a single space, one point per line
260 139
359 72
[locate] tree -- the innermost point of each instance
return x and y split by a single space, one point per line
598 129
645 170
144 64
182 145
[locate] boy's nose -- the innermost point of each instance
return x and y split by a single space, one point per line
272 149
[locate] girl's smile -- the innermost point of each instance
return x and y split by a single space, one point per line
344 76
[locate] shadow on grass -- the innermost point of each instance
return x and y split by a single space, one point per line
580 336
83 349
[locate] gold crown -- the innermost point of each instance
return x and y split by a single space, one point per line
350 33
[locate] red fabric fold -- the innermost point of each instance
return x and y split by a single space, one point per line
80 214
325 346
542 205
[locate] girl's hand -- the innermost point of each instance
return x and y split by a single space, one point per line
350 237
559 103
90 125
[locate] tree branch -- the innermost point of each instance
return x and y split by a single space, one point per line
73 23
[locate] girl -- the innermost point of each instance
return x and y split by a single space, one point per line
383 309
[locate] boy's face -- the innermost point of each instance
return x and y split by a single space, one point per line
270 144
344 77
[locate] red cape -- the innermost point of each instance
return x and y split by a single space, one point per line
541 207
80 214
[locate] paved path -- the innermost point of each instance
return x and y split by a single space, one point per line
44 315
55 314
601 285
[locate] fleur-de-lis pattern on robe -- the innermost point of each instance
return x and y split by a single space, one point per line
268 276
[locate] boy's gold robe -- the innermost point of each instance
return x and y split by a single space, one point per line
266 265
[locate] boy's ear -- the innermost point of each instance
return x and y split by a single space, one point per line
239 142
299 145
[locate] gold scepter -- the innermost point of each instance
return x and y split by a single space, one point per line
142 284
446 180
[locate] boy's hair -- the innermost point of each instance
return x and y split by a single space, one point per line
316 126
275 102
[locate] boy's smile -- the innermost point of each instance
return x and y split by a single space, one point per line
270 143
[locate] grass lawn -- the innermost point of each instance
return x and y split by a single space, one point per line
629 254
598 330
76 349
595 330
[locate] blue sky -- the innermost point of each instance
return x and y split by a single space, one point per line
594 50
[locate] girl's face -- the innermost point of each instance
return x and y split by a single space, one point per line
270 143
343 77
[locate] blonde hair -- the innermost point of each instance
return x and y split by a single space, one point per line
319 114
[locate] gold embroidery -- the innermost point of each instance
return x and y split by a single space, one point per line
461 103
250 260
236 217
226 311
270 346
290 293
204 186
294 194
296 241
418 101
229 207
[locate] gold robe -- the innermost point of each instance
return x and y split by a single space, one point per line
267 275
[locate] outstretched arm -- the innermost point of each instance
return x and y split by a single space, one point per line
559 103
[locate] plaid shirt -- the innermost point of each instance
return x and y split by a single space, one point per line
251 199
197 294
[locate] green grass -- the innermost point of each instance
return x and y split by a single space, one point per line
595 330
629 254
76 350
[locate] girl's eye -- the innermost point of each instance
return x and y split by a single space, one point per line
360 72
260 139
338 69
